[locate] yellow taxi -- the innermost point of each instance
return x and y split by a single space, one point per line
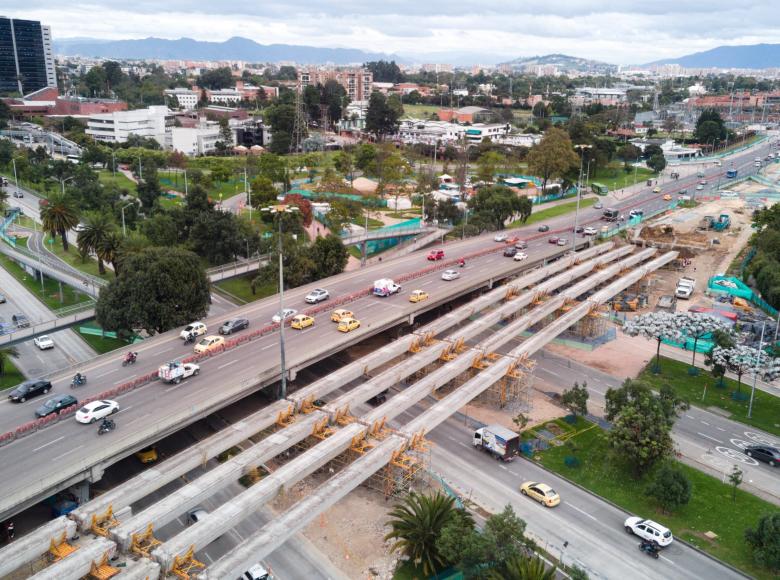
147 455
301 321
541 492
338 314
209 343
667 197
348 324
418 296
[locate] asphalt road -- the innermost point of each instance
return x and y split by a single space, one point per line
69 443
708 441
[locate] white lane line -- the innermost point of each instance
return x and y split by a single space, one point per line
668 560
553 373
164 350
720 428
690 416
124 380
216 299
105 373
464 445
69 451
704 423
52 442
173 387
583 512
504 467
126 409
426 283
267 347
710 438
235 360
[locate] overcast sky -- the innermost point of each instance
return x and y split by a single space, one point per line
617 31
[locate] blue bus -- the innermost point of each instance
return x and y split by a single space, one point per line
731 173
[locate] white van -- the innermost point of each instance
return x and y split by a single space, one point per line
256 572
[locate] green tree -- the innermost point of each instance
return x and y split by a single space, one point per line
553 156
657 163
59 216
344 164
384 71
496 204
576 399
281 118
416 523
329 254
670 488
263 191
382 117
149 189
735 479
487 165
98 226
764 540
6 354
219 78
365 157
215 237
156 289
504 535
524 568
710 127
460 544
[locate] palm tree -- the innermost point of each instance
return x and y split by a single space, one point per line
98 227
5 354
416 523
58 216
134 243
523 568
108 249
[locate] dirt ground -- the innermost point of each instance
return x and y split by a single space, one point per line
623 357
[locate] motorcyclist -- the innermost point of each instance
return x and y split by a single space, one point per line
190 337
462 262
131 356
78 379
107 424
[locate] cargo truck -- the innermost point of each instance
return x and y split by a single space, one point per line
499 441
685 287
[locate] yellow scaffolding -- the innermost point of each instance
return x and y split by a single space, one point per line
286 417
59 548
322 430
102 570
185 566
101 523
144 542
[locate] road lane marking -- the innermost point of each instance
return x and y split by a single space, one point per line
267 347
710 438
720 428
124 380
235 360
690 416
583 512
504 467
69 451
553 373
49 443
105 373
164 350
705 423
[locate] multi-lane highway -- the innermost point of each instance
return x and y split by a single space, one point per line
71 448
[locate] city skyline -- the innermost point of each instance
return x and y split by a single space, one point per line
616 32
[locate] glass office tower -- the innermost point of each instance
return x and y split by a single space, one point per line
26 58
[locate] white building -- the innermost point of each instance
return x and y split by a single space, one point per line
225 96
495 131
198 140
697 90
186 98
118 126
424 131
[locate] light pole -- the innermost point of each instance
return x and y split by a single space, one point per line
582 149
16 179
124 229
140 169
186 188
278 210
62 182
113 164
755 371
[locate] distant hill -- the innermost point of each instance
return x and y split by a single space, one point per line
749 56
236 48
564 63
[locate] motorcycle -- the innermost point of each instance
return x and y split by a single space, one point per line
462 263
78 381
106 426
130 359
189 339
649 548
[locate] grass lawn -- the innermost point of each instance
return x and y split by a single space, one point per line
50 295
766 407
11 376
555 211
710 509
373 224
101 344
419 111
106 177
614 177
72 257
175 180
239 288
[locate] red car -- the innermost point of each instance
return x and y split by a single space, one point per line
434 255
553 240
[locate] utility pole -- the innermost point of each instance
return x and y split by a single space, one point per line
299 125
755 371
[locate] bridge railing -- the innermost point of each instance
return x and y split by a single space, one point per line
238 265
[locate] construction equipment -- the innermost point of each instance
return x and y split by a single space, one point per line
723 222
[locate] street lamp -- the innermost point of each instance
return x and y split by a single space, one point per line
63 181
140 169
278 210
124 229
582 149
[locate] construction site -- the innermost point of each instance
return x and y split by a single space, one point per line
364 425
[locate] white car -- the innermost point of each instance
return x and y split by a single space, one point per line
500 238
43 342
590 231
563 242
520 256
80 227
96 410
317 295
286 313
450 275
198 328
699 187
257 572
649 530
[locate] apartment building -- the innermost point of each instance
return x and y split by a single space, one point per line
116 127
357 81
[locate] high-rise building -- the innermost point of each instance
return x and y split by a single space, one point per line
26 58
357 81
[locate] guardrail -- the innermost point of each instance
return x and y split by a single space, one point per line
64 320
238 265
383 234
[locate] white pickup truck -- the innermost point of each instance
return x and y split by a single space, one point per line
385 287
174 372
685 287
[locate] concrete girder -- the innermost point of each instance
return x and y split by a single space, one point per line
166 510
166 471
78 564
228 515
32 546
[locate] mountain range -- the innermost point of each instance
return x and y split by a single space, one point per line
236 48
749 56
563 62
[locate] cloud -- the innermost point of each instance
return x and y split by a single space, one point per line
621 31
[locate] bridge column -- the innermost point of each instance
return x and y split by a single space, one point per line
363 252
410 322
95 474
81 491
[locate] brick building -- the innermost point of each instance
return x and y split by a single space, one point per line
356 81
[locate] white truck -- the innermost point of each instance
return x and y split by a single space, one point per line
499 441
385 287
685 287
174 372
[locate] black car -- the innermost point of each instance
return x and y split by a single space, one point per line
234 325
544 228
55 404
770 455
579 229
510 251
21 320
29 389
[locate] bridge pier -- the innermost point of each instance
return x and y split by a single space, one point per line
95 474
81 491
363 252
